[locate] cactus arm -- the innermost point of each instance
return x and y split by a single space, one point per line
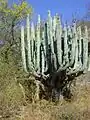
38 44
52 57
50 34
54 64
46 46
30 66
59 42
66 60
54 28
85 49
80 47
69 43
76 66
43 52
23 49
73 44
32 43
49 22
89 63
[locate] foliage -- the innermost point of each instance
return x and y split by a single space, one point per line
11 97
16 11
10 20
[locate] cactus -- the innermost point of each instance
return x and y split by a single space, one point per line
59 41
69 42
30 66
85 50
66 59
32 40
89 63
80 47
50 37
53 52
23 49
52 47
76 65
38 42
42 53
54 27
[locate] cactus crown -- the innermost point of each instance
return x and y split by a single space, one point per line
54 47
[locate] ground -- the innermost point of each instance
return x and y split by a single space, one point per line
77 109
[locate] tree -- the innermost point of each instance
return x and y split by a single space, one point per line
10 19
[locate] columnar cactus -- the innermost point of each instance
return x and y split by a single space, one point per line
51 47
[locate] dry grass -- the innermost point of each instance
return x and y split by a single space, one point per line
11 101
77 109
11 97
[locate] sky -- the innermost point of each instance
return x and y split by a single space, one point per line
65 8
